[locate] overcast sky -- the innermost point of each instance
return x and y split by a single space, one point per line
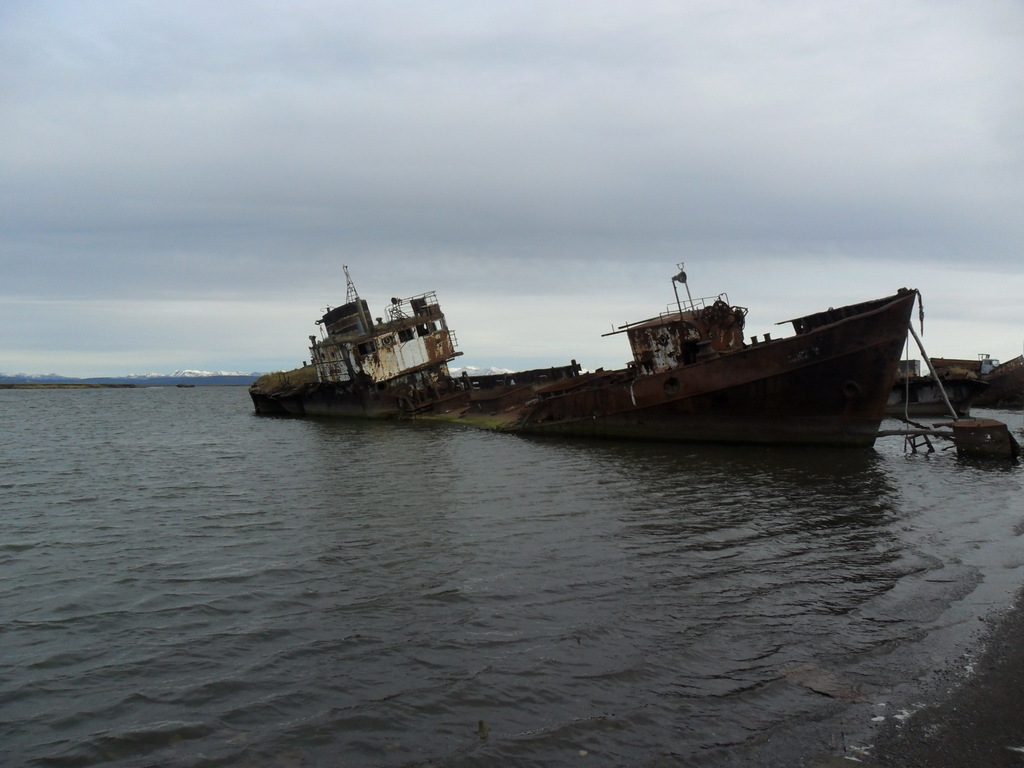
183 181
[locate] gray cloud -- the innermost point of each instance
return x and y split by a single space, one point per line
236 153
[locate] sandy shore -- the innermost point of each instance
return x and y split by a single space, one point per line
979 725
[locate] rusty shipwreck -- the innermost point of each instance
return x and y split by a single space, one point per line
1005 382
386 367
693 376
915 394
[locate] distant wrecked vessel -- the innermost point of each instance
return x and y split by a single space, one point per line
692 376
1005 381
916 395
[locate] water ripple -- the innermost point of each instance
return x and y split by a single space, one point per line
187 584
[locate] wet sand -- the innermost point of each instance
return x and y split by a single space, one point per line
981 723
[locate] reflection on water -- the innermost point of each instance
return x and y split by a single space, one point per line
188 584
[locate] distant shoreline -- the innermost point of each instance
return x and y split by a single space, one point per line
63 385
108 385
184 379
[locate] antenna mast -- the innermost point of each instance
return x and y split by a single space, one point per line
351 294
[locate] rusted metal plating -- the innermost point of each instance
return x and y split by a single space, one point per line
984 438
705 329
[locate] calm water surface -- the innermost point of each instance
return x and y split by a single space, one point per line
187 584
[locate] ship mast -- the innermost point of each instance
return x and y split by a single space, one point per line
352 295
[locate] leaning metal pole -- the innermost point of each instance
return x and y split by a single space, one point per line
928 360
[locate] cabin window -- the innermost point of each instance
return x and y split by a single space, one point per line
367 348
406 334
422 330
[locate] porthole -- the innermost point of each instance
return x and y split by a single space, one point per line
852 389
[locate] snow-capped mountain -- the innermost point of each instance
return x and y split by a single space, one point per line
188 374
141 379
473 370
33 377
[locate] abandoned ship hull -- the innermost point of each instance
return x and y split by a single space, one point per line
826 386
1006 385
300 393
327 400
924 397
